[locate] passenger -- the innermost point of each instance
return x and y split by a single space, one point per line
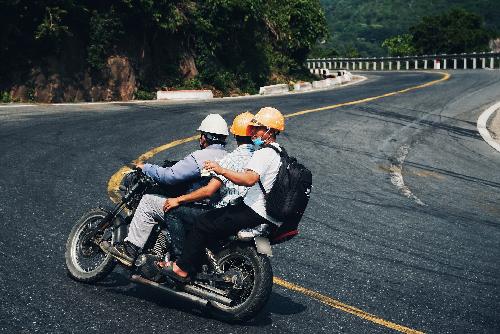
182 207
221 223
213 133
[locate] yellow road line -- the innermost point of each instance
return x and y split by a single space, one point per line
344 307
116 179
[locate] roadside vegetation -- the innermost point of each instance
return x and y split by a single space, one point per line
361 27
71 50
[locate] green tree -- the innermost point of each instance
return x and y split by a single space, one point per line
456 31
400 45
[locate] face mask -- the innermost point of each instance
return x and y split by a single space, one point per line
258 141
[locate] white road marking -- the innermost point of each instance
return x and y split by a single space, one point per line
397 176
483 130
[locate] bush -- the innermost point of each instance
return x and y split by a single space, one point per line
144 95
5 97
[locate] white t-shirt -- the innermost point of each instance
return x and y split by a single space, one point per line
265 162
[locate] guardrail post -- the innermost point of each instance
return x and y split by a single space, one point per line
444 63
390 65
474 60
425 64
492 63
360 65
382 65
353 65
454 64
329 65
465 63
407 65
483 61
374 66
398 65
416 64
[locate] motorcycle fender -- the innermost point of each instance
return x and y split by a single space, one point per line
263 246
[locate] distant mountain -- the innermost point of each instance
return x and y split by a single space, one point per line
363 25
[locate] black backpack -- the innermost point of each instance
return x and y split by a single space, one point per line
288 198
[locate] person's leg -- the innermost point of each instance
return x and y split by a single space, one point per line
183 219
148 213
214 225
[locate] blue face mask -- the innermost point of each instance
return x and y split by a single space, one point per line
258 141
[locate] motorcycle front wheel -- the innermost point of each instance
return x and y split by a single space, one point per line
254 288
85 261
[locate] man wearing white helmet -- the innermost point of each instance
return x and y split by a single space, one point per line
213 132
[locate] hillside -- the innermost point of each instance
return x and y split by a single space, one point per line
363 25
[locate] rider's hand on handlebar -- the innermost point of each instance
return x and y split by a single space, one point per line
140 165
212 166
170 204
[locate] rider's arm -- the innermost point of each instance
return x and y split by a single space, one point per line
201 193
246 178
184 170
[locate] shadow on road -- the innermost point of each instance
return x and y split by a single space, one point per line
118 283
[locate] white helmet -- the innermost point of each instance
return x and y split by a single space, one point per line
214 123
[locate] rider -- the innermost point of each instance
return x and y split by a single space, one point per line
224 222
229 193
213 133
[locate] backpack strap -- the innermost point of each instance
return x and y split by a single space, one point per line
281 153
262 188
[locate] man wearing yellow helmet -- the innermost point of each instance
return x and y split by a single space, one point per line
229 193
251 212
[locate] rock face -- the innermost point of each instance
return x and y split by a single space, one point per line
495 45
121 83
187 67
117 82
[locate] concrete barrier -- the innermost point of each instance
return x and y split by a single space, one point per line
302 86
273 89
184 95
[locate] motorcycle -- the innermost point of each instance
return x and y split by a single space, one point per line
235 281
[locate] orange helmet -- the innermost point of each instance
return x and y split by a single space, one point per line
269 117
241 124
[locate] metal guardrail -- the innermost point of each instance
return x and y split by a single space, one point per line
438 62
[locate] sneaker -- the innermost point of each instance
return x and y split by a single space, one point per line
125 252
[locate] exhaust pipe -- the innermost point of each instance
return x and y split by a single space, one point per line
191 293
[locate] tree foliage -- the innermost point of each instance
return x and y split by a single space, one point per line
400 45
232 43
365 24
457 31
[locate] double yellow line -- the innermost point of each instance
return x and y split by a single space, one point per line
116 179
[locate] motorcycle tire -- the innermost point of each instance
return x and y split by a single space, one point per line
257 295
76 253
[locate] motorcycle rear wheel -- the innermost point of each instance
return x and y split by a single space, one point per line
85 261
250 300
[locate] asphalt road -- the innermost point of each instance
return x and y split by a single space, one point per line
403 223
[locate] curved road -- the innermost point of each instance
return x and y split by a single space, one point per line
402 232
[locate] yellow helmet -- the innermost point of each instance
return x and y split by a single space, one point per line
269 117
241 124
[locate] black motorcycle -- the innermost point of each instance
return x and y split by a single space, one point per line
234 283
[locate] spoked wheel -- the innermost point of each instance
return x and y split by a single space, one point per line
85 261
251 285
